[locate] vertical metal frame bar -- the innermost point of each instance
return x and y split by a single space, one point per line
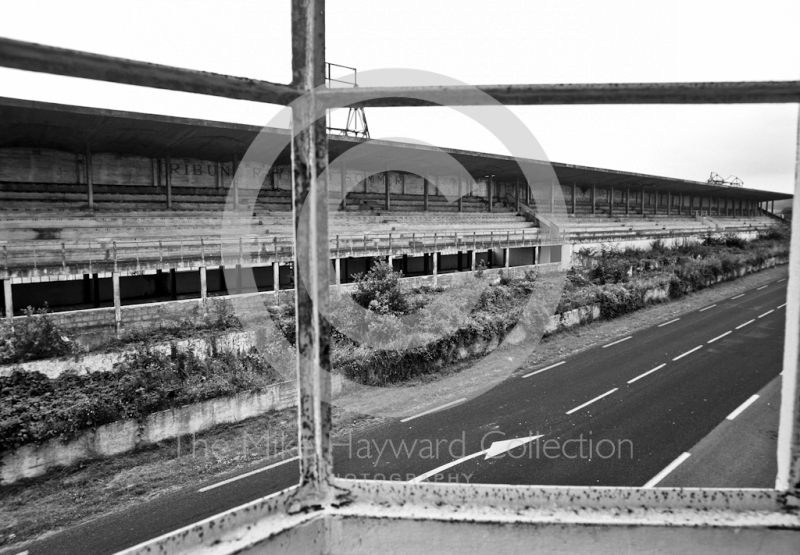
309 187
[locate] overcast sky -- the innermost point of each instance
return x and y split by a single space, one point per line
478 42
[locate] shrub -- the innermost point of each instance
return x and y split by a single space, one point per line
379 290
36 337
36 409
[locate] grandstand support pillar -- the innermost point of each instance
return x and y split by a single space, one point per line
574 201
337 269
9 301
460 194
610 202
669 203
388 194
168 179
117 302
489 191
772 208
680 203
89 177
343 186
276 276
594 197
552 196
435 256
642 202
203 288
235 182
628 201
425 194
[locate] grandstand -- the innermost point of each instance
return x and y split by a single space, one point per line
104 209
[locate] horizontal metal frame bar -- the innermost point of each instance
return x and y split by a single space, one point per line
74 63
622 93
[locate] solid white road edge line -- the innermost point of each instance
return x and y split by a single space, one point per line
248 474
720 336
706 308
687 353
742 407
434 409
617 341
663 474
587 403
668 323
640 376
543 369
740 326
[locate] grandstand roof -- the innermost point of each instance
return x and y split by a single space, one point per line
25 123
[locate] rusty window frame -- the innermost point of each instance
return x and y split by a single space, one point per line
747 513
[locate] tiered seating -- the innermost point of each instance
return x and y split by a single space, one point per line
375 202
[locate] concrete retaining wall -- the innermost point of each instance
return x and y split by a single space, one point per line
120 437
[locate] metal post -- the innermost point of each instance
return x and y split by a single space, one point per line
506 257
89 177
309 160
168 179
9 301
435 257
276 276
472 260
337 268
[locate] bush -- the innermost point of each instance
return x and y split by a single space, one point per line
379 290
35 408
34 338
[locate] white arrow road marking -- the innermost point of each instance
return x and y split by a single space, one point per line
500 447
496 448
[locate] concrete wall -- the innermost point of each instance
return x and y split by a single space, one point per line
126 435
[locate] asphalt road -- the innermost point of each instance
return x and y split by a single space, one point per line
611 415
